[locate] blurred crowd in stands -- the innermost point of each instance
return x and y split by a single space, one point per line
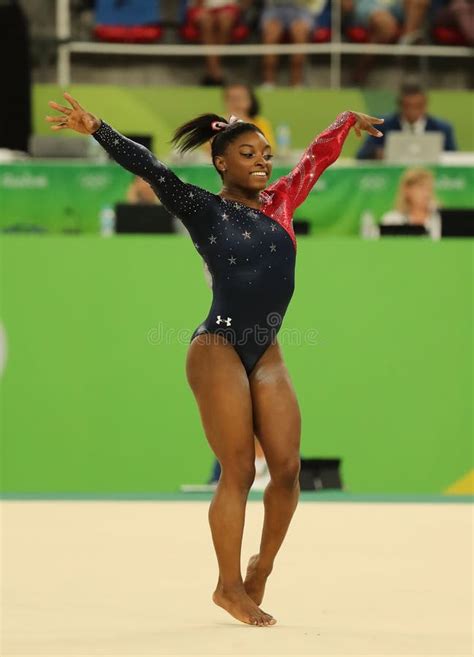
225 22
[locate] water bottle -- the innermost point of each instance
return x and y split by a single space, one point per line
283 137
107 221
368 227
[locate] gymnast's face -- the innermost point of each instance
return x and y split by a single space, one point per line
246 162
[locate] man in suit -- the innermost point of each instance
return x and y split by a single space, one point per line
411 118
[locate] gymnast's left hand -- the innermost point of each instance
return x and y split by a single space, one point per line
366 123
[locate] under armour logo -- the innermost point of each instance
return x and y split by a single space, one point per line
219 320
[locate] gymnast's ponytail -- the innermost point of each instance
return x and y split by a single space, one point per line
196 132
205 127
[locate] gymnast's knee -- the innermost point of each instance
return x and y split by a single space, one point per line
238 475
286 473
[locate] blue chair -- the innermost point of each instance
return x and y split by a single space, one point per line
128 21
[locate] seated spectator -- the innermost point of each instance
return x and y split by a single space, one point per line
139 191
296 20
458 14
411 117
385 21
215 19
416 203
241 101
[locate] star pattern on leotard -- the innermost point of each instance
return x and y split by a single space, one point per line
181 199
257 243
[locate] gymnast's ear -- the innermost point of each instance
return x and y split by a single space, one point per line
219 163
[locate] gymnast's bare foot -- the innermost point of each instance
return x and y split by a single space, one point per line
240 606
255 580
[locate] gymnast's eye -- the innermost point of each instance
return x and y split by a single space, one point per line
267 156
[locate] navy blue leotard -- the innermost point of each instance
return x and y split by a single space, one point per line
250 253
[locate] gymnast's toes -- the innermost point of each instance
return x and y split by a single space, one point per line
238 604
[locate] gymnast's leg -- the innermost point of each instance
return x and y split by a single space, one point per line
277 424
221 388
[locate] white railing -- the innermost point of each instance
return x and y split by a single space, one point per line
336 48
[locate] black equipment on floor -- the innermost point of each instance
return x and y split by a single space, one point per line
402 230
301 227
318 474
457 222
142 218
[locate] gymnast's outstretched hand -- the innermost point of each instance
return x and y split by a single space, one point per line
77 118
365 122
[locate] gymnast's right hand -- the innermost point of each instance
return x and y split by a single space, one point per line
75 119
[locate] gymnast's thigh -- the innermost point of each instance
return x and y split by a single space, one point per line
276 413
221 387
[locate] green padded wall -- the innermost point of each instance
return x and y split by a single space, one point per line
94 395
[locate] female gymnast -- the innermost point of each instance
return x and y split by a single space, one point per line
234 363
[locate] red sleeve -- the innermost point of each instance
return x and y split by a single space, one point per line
321 153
